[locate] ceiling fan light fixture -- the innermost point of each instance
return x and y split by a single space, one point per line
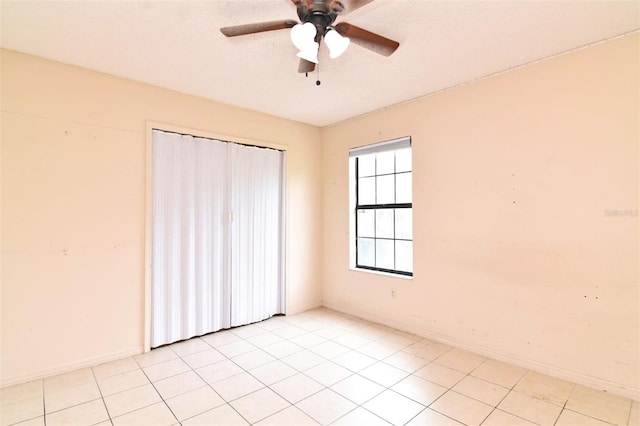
336 43
303 35
310 52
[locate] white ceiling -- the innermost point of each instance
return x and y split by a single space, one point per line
177 45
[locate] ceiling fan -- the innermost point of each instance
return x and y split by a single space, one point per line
317 19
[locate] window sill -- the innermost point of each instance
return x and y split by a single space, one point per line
386 274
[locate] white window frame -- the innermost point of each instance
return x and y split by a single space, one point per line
393 145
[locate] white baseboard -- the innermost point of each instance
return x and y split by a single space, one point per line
87 362
529 364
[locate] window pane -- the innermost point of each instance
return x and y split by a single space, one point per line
367 165
403 160
385 190
384 223
384 254
366 223
384 163
366 252
404 224
403 184
367 191
404 256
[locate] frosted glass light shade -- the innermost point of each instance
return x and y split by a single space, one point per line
303 34
310 52
336 43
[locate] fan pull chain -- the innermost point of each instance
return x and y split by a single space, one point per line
318 75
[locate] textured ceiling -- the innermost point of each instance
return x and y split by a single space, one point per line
177 45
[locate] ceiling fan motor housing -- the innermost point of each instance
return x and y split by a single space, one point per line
319 15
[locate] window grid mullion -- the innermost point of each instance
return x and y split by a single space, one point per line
375 207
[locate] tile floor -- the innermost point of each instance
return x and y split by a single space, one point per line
319 367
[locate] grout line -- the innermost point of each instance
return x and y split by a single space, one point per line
104 403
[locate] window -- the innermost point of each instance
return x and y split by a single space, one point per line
382 213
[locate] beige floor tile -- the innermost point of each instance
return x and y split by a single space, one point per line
500 373
282 349
220 338
328 373
377 350
194 402
462 408
21 392
601 405
325 406
530 408
71 379
545 388
329 349
155 356
406 361
165 369
88 413
393 407
236 386
351 340
218 371
481 390
460 360
331 332
253 359
440 375
297 388
114 368
190 346
236 348
206 357
176 385
273 323
21 410
265 339
430 350
308 340
273 372
418 389
38 421
131 400
384 374
354 361
634 417
500 418
395 341
70 396
289 332
220 416
290 416
122 382
247 331
259 405
571 418
360 417
357 389
372 332
303 360
429 417
153 415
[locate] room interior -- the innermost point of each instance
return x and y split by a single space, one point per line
525 169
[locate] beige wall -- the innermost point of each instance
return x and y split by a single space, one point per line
73 209
515 255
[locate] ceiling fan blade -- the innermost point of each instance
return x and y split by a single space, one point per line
345 6
259 27
367 39
306 66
